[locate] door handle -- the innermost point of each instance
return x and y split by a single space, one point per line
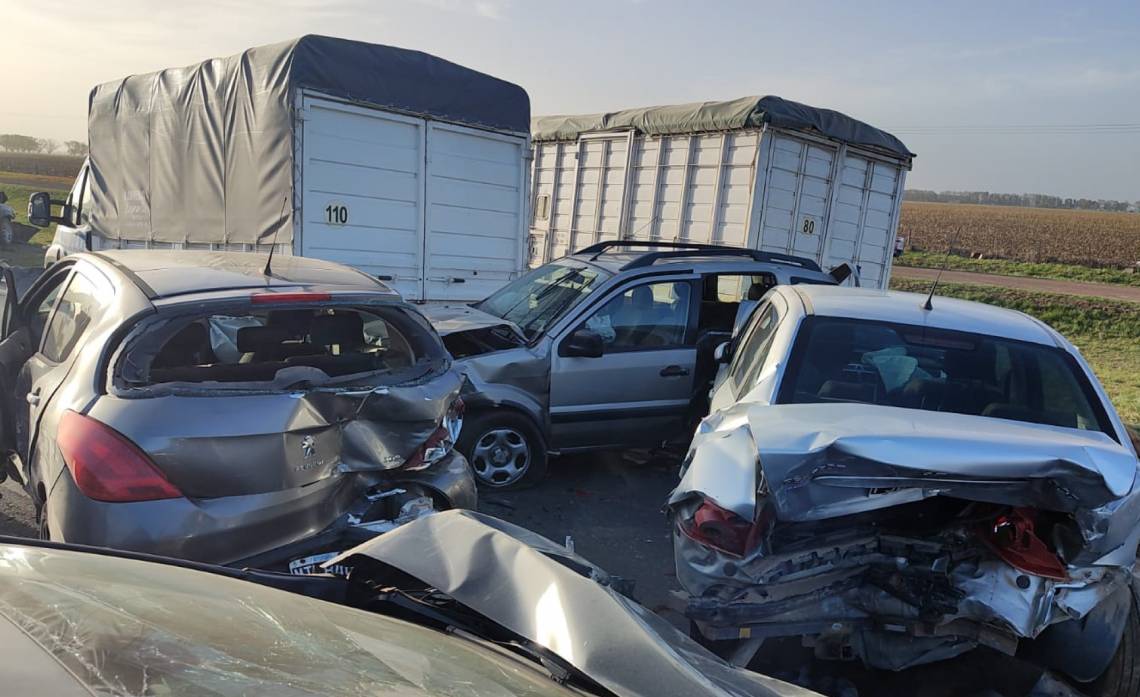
33 398
671 371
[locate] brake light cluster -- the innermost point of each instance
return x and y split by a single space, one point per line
1013 537
441 441
724 530
106 466
272 298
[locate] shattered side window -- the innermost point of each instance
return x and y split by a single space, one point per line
256 346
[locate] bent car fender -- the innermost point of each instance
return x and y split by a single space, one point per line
1083 648
723 468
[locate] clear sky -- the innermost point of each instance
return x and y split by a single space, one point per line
987 93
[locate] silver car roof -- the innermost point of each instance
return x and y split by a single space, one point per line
163 273
907 308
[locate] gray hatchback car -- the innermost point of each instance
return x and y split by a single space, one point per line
610 347
188 404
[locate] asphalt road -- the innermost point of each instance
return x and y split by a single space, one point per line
1042 285
609 507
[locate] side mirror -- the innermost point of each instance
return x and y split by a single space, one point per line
39 209
583 343
723 352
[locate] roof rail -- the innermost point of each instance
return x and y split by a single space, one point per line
676 250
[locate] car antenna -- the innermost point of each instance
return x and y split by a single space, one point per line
268 271
934 286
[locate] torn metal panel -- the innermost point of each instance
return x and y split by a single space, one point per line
507 574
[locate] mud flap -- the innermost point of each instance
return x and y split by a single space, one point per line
1082 649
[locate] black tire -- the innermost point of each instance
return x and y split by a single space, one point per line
1122 677
493 443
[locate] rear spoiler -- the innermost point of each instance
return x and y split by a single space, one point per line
844 271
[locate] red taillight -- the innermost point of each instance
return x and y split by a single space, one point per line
106 466
270 298
720 529
1012 536
442 439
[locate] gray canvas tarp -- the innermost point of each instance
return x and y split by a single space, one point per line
699 117
204 154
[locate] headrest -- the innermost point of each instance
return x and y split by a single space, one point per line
260 339
757 291
296 322
342 330
642 297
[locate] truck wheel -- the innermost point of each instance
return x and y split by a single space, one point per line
1122 677
504 449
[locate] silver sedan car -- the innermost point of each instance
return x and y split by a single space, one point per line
201 406
900 480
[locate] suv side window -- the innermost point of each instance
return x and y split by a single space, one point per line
754 349
728 298
645 317
71 318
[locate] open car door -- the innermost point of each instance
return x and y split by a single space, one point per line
14 350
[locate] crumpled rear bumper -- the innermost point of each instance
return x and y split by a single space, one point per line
228 529
892 601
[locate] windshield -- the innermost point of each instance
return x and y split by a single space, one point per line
844 360
542 296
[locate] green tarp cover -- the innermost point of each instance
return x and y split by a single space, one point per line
701 117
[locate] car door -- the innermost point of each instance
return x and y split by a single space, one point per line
637 391
59 314
750 351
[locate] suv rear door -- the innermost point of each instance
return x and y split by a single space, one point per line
638 391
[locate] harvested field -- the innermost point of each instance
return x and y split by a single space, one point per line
38 163
1037 235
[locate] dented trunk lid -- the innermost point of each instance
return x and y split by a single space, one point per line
824 459
817 461
237 444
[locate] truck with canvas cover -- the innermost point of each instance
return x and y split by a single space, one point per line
758 172
404 165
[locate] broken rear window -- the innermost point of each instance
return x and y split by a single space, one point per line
284 346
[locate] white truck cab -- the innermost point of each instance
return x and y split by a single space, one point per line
73 229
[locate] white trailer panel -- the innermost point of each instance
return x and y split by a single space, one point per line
368 163
434 209
476 195
760 186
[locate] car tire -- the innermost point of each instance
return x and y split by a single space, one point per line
504 449
1122 677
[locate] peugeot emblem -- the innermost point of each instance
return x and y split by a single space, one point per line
308 446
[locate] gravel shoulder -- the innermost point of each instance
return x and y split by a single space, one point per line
1045 285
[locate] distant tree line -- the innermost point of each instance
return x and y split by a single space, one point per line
987 198
13 142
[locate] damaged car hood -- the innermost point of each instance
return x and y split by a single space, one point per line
449 319
825 460
510 575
